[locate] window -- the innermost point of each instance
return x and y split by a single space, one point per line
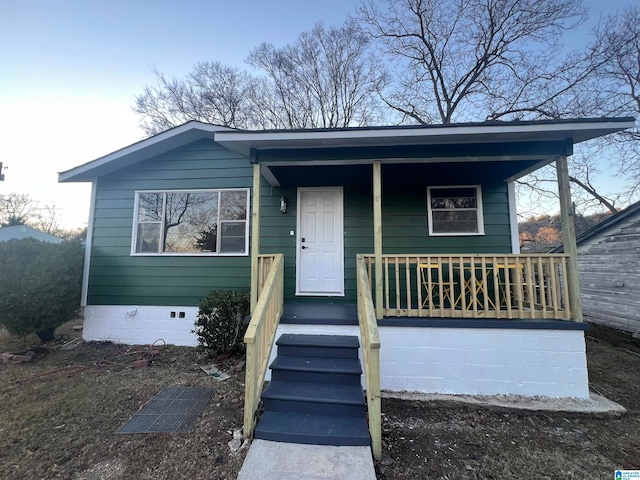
455 210
205 222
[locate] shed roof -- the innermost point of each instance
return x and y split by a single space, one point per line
18 232
605 225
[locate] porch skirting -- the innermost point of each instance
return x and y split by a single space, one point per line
431 359
474 361
140 325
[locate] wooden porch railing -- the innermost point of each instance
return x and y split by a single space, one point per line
261 333
371 353
474 286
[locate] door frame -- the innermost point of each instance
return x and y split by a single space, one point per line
340 207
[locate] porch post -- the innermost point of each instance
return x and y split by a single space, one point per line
569 238
377 233
255 235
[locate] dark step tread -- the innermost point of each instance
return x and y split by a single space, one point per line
325 341
317 364
313 429
320 313
315 392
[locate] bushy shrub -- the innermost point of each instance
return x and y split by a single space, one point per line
40 285
220 325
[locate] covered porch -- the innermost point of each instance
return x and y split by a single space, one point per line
404 273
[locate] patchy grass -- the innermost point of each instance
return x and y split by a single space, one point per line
63 425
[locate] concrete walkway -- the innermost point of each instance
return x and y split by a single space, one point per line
290 461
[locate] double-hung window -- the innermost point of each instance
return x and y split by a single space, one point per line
455 210
198 222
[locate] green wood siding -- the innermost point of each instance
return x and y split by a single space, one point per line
118 278
404 215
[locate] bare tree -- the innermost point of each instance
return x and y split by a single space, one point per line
611 89
327 78
21 209
463 60
16 209
212 93
47 219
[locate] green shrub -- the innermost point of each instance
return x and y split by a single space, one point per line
220 325
40 285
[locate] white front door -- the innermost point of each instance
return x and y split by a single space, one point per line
320 255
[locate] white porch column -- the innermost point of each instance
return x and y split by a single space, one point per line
377 233
569 238
255 235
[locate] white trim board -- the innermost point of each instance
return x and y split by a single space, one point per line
513 218
87 245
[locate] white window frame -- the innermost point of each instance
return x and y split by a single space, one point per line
134 235
480 215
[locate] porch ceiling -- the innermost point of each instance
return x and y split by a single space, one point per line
401 174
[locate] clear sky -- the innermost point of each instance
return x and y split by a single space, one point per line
69 71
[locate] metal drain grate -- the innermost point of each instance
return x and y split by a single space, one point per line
173 409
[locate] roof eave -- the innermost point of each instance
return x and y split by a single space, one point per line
578 131
140 151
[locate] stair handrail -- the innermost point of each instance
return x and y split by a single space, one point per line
259 339
371 353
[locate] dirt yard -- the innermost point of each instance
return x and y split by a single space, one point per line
63 424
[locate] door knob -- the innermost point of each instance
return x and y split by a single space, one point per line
303 247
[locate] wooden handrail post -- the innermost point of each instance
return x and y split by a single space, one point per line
371 354
259 339
255 235
377 233
569 238
373 392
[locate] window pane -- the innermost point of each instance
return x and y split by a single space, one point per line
149 207
233 205
452 192
452 203
465 221
233 237
191 223
148 239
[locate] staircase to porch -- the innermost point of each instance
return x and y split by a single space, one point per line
315 394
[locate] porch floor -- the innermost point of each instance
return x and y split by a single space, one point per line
347 314
320 313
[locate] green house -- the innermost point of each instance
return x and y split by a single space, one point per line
421 220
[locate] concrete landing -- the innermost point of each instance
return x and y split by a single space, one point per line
292 461
596 404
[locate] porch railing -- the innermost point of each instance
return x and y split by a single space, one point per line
371 353
474 286
261 333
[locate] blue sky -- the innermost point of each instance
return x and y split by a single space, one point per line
69 71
